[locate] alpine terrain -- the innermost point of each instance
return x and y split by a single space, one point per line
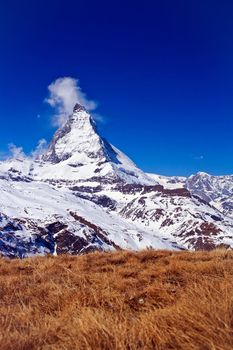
83 194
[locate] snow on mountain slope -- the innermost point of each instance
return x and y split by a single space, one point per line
170 182
16 168
83 194
39 205
181 218
215 190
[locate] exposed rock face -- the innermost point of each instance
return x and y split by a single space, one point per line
83 194
17 240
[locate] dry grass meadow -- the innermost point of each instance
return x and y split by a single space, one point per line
123 300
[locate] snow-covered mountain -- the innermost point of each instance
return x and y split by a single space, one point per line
216 190
83 194
78 153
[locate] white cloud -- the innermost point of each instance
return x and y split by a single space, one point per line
16 152
64 93
39 150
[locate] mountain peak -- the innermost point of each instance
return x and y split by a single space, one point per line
79 108
77 136
78 152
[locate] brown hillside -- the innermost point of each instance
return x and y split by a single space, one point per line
123 300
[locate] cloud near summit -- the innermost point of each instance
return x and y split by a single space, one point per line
64 93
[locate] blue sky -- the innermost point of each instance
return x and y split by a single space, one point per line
161 72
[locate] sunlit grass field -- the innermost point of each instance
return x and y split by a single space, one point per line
123 300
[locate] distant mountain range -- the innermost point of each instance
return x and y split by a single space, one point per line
83 194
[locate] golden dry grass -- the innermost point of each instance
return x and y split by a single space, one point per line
123 300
